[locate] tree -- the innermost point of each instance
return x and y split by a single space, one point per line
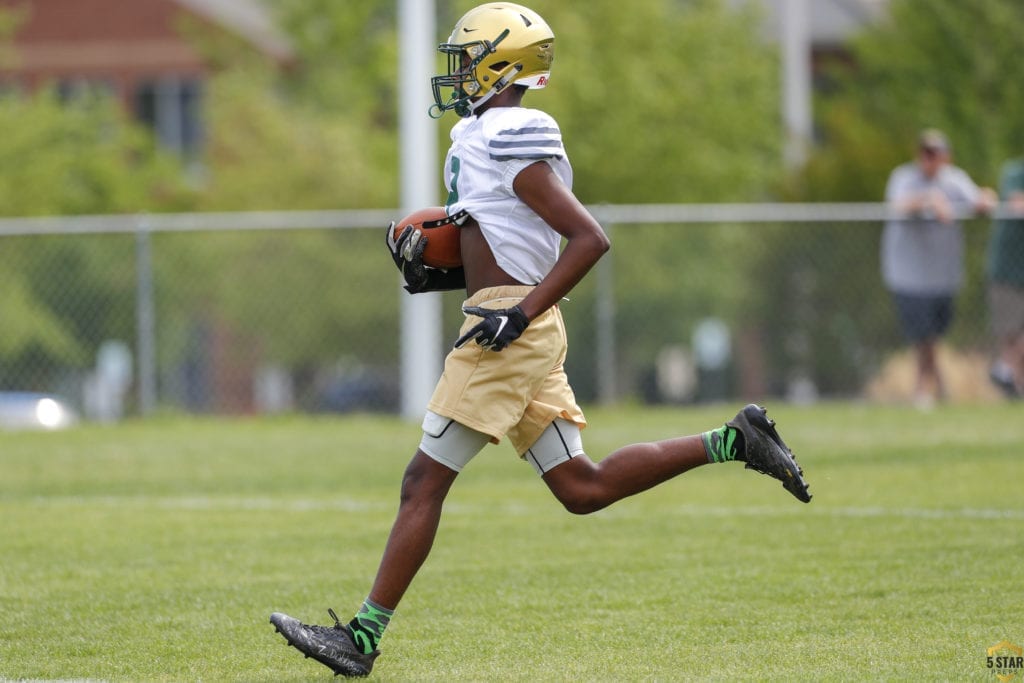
941 63
80 157
658 101
661 101
664 101
938 63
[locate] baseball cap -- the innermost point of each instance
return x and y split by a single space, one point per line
933 138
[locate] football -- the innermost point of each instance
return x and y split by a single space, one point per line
442 250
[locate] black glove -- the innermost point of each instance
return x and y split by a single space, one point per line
498 329
407 253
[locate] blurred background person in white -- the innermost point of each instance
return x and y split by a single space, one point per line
923 250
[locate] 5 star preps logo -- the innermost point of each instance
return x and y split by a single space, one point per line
1006 660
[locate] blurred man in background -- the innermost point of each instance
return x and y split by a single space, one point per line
1006 284
923 250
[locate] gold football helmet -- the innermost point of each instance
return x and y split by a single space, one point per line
493 46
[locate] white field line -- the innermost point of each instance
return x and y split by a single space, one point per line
242 504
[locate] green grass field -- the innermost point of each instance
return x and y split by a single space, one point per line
155 551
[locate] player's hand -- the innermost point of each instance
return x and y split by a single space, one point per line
498 329
988 200
939 207
407 253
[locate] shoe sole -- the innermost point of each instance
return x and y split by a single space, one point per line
341 667
768 453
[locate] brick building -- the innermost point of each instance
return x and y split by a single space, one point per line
137 50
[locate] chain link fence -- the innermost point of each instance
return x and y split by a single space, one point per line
280 312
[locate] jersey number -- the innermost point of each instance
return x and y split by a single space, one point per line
453 191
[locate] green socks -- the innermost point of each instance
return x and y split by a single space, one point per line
368 625
723 444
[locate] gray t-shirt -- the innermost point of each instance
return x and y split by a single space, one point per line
920 255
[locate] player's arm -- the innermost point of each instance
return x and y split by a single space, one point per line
986 201
543 191
1011 188
980 200
540 188
1015 200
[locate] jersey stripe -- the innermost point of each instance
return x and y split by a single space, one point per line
529 130
528 142
513 157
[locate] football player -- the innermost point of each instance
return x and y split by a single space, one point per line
510 181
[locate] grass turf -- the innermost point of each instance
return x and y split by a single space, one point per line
155 551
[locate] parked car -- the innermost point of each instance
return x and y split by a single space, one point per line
359 390
31 410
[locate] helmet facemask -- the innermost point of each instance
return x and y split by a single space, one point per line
463 62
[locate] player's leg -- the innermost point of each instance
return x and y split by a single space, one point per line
424 487
1006 312
1007 371
1016 358
928 381
446 447
936 314
584 486
350 649
920 319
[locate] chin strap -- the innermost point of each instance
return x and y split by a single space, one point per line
500 85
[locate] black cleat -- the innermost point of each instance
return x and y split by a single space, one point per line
766 452
1002 377
332 646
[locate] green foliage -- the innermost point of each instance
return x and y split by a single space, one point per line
269 147
323 136
937 63
661 101
664 101
317 136
252 283
948 64
82 157
348 55
269 151
29 326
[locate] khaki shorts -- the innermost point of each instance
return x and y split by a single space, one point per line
516 392
1006 309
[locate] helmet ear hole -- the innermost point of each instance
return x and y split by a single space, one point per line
498 66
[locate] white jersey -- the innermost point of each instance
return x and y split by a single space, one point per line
487 153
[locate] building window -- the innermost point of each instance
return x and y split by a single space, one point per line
172 107
72 90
